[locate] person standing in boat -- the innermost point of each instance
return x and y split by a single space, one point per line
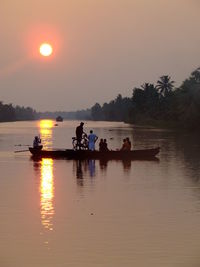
79 134
92 138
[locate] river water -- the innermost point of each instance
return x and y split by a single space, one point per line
59 213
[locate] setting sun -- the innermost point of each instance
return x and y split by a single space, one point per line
46 49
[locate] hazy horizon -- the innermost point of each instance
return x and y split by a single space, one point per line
101 48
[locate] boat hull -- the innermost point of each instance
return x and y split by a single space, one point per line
86 154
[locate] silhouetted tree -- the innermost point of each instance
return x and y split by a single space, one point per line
165 85
96 112
10 113
196 75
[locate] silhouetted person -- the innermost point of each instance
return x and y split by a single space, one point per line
36 142
79 134
92 138
128 144
105 145
101 145
123 145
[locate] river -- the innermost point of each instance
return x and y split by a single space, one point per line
58 213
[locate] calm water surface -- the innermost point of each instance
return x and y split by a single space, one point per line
94 213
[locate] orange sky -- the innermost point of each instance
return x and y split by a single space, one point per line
102 48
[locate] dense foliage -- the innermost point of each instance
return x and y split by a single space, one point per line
159 104
10 113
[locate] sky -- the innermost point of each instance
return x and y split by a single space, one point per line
101 48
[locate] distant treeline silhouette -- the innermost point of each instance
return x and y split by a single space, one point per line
84 114
158 105
8 112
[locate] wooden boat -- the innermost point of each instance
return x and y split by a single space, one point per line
87 154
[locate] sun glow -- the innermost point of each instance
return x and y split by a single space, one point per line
46 49
46 124
45 127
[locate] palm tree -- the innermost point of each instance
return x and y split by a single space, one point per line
165 85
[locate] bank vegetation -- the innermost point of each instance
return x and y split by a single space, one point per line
159 104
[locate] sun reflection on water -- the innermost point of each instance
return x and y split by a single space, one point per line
47 193
46 133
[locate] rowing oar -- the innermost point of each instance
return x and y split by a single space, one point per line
21 151
22 145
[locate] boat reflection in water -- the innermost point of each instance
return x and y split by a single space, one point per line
84 168
103 163
47 193
87 168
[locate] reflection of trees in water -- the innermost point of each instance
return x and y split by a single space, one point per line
187 147
175 146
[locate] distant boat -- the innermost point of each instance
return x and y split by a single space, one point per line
59 118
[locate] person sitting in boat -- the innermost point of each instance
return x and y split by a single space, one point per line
126 145
92 138
123 145
105 145
101 145
79 134
37 142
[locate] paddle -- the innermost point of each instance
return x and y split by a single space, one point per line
21 151
22 145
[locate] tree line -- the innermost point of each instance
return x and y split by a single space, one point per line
159 104
84 114
8 112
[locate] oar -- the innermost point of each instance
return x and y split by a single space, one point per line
22 145
20 151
